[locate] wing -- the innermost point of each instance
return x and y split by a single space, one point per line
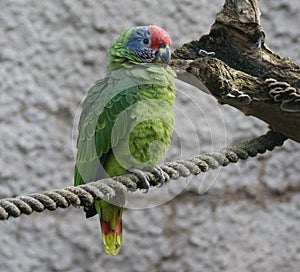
100 112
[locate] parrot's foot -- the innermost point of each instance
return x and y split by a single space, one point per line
203 53
144 178
159 173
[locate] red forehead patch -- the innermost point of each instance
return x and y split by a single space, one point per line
158 37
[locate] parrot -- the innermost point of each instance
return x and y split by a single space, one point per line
127 120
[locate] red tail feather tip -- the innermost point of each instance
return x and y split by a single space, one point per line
107 229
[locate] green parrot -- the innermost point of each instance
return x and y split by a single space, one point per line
127 120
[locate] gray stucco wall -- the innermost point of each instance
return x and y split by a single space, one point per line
50 53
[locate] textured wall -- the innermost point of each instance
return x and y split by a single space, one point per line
50 53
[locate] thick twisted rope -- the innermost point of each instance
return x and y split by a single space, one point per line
85 195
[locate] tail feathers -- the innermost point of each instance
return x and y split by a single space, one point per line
112 239
111 226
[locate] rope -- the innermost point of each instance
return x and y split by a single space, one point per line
85 195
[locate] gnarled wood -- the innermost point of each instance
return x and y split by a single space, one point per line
239 73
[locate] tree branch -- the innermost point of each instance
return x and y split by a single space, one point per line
244 72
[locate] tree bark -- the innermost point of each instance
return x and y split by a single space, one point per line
243 72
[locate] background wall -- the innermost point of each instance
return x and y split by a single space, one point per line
50 53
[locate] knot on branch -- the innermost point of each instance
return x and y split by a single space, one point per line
114 189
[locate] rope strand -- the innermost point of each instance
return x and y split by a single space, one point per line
86 194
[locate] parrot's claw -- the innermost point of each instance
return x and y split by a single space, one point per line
144 178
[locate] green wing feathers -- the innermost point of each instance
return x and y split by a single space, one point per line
102 106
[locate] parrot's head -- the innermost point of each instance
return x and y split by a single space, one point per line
150 44
142 44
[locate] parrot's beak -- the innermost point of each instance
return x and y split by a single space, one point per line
163 54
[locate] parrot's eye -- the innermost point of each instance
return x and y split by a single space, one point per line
146 41
163 46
